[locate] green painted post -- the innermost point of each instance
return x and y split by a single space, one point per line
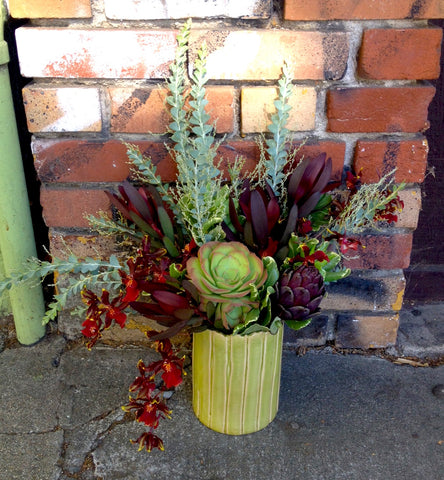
5 305
16 233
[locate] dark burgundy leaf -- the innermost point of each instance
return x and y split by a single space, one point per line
123 193
234 217
146 308
310 176
170 301
259 218
248 235
170 332
137 200
229 235
324 177
273 213
244 200
291 224
295 177
191 289
309 204
118 204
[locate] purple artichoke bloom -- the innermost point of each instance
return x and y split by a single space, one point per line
299 293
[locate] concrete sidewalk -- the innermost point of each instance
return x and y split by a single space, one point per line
348 417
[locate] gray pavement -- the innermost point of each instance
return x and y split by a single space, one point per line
421 332
342 416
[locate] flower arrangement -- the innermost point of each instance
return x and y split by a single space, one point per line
238 253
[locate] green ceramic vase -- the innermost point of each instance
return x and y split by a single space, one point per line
236 380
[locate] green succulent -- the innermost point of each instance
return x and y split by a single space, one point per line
228 276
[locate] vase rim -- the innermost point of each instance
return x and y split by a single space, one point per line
238 335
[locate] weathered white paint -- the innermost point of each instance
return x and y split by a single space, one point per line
55 52
79 108
241 48
166 9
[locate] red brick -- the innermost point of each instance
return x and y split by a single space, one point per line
361 331
250 152
95 161
400 54
228 151
95 53
383 252
67 208
50 8
143 110
138 110
232 149
160 157
260 54
80 161
378 109
335 150
361 9
376 158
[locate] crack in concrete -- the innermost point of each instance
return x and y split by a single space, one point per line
88 465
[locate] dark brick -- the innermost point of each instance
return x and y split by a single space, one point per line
375 158
360 331
383 252
80 161
363 290
313 335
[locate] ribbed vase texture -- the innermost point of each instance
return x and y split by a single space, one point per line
236 380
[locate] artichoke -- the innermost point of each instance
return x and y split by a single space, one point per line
227 275
298 295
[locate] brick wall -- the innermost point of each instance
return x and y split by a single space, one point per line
361 71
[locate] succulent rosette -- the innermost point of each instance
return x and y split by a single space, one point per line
227 276
298 295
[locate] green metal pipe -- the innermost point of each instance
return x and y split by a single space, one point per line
16 233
